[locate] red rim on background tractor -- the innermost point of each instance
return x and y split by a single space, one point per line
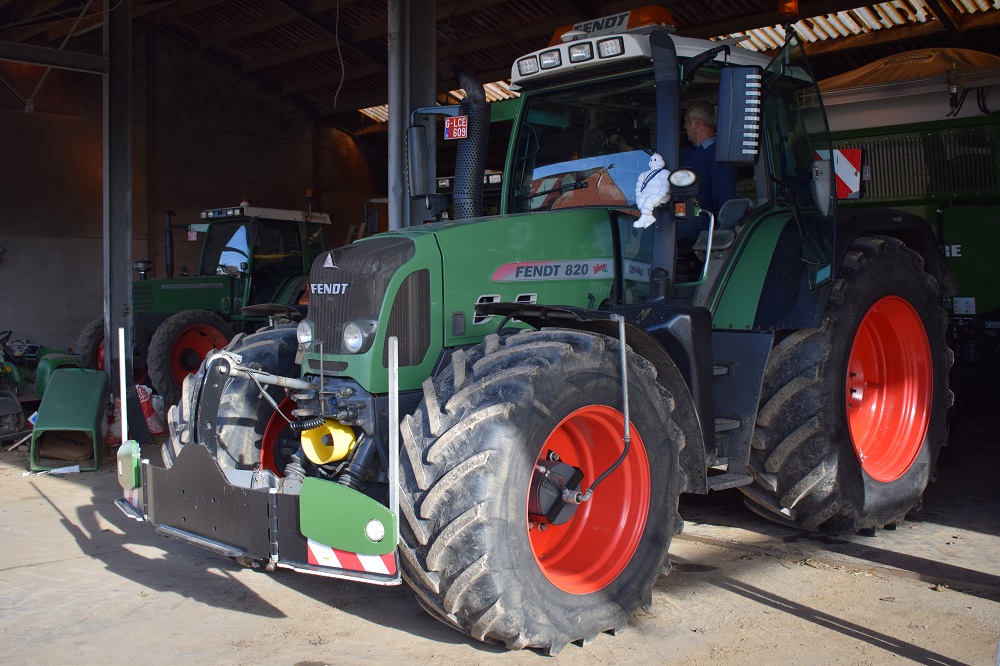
141 375
99 356
589 551
890 378
191 347
275 426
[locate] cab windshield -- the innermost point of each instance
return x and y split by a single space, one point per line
226 249
276 248
584 146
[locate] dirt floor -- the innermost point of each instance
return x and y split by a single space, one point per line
81 583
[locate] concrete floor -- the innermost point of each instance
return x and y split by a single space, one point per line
80 583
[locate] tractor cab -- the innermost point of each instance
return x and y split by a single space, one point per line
596 107
266 252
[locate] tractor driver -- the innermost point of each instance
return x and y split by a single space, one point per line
716 182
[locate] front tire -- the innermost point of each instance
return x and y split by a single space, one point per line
245 432
852 414
476 558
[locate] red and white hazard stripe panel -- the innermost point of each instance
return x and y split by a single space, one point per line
847 167
132 496
325 556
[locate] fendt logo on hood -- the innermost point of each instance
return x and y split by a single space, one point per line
335 288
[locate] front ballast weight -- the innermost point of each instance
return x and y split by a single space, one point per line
259 518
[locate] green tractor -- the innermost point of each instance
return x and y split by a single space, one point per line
25 371
254 264
503 411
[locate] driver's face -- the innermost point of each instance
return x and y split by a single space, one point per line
690 125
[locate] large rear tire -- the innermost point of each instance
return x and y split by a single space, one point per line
179 346
852 414
476 558
245 431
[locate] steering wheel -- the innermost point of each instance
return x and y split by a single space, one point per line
237 250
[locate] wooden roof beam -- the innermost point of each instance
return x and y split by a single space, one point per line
178 9
338 31
351 104
288 55
443 14
948 17
34 10
332 79
283 17
766 19
873 38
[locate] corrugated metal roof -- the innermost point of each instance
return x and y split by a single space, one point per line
331 55
859 21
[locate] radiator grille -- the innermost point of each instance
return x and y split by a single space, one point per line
409 320
142 296
931 164
354 286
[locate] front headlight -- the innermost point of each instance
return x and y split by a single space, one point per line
683 178
305 332
358 335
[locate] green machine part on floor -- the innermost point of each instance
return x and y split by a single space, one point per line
69 420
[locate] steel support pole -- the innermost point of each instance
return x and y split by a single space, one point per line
399 207
118 207
412 84
422 78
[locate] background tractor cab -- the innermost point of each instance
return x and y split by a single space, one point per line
254 264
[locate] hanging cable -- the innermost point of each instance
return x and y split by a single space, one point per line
336 38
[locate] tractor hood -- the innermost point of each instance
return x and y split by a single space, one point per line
394 285
214 293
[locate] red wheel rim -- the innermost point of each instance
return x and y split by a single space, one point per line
99 357
890 380
191 347
589 551
275 426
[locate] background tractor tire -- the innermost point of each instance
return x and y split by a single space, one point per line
90 346
853 414
468 456
244 425
179 346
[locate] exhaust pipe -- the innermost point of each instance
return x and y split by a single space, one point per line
470 165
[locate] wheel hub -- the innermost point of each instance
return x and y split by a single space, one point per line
550 480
